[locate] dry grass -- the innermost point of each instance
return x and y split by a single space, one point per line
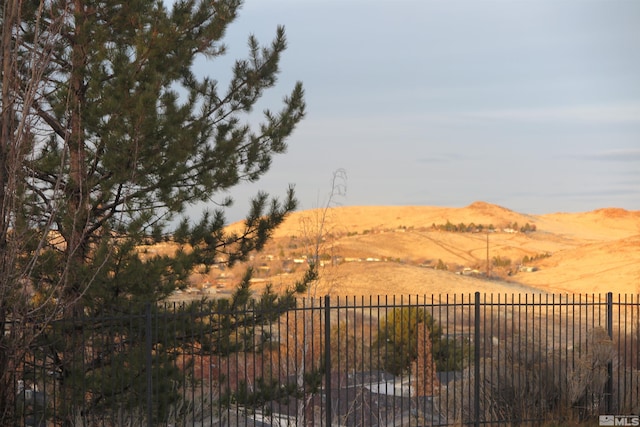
521 380
591 252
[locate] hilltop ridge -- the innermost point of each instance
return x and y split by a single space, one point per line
358 218
376 250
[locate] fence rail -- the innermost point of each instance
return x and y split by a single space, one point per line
477 359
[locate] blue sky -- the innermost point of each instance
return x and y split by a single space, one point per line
532 105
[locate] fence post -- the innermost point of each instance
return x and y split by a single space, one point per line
608 391
476 357
149 363
327 358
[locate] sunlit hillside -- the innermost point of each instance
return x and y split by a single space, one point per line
384 250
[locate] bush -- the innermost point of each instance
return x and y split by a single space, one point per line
441 265
499 261
523 380
398 337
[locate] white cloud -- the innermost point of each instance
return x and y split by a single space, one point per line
599 114
624 155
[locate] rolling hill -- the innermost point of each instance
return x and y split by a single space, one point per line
399 250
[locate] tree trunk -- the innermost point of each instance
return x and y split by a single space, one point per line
10 13
77 194
8 114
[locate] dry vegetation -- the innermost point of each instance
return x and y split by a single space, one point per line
394 250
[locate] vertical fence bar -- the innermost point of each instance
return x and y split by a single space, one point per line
609 385
149 362
312 326
476 357
621 388
327 357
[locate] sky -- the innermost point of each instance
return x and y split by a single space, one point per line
533 105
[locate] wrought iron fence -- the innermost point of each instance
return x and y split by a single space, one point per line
522 359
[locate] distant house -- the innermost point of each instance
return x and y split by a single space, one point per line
368 400
467 271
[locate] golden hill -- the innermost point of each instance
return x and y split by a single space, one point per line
384 250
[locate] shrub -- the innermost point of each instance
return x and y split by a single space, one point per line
499 261
522 379
398 336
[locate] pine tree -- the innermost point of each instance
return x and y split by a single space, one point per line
398 337
107 137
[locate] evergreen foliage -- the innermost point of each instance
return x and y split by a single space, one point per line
499 261
108 136
462 227
441 265
398 337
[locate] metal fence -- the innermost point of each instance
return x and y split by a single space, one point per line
375 361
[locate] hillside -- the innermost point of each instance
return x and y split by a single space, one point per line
384 250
